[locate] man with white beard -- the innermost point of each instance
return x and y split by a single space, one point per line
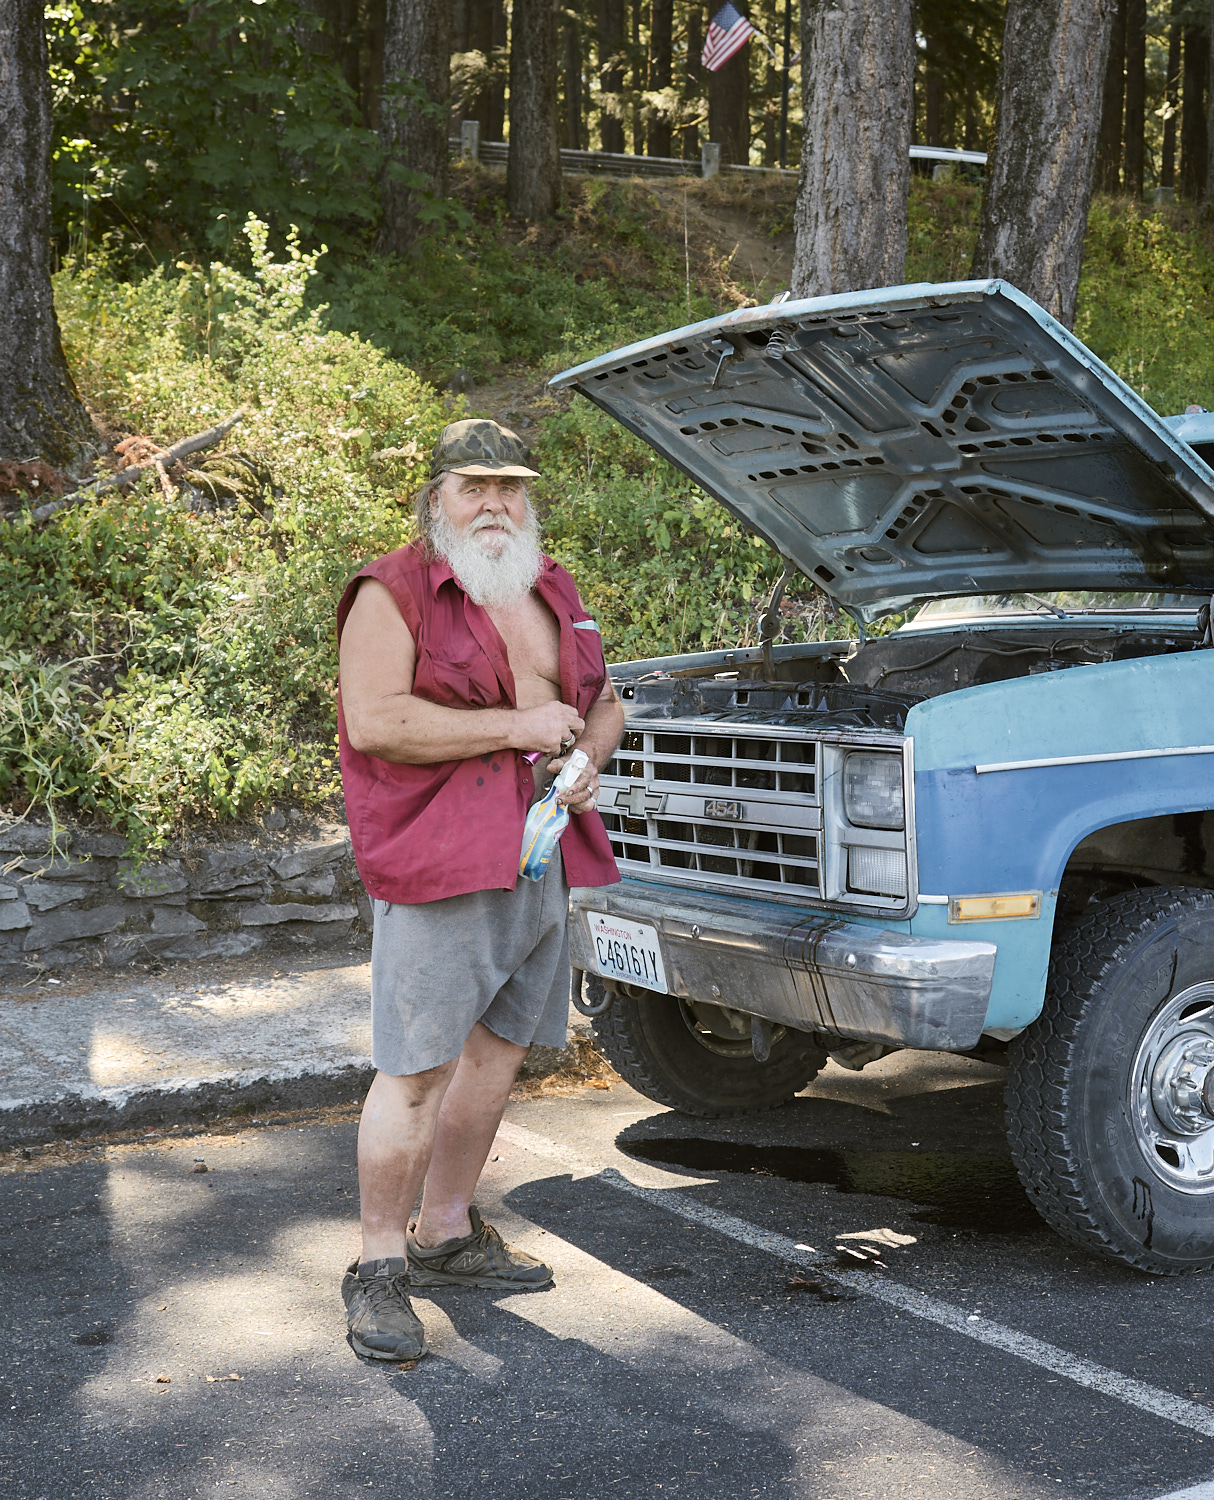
466 657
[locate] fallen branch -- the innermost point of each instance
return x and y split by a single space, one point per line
161 462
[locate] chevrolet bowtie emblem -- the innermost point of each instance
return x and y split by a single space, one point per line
639 800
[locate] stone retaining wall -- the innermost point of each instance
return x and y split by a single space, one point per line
90 904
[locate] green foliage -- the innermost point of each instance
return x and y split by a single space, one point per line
174 121
202 645
664 567
47 747
494 295
942 224
1146 300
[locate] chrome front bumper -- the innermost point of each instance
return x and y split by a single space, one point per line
803 968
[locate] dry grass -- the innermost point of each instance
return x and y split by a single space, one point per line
588 1069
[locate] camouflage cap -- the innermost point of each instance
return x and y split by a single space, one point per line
479 446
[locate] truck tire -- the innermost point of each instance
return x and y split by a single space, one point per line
1110 1095
662 1047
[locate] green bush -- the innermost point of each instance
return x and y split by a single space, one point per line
942 224
187 659
205 640
496 295
1146 300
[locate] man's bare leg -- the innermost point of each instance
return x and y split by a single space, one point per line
470 1112
395 1138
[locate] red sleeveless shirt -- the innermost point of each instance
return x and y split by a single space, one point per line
422 833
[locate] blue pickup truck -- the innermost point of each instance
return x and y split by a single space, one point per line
989 831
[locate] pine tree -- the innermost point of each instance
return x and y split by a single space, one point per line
41 415
1039 178
413 115
533 176
857 78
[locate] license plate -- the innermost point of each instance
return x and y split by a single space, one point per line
627 950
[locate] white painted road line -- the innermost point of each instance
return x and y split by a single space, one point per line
838 1444
1197 1492
1084 1372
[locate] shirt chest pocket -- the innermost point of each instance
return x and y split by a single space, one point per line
591 668
457 680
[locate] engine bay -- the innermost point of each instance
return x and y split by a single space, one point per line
845 685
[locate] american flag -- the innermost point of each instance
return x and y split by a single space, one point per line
728 32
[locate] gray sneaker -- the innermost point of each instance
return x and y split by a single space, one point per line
380 1319
481 1258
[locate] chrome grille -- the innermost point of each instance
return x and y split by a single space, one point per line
730 809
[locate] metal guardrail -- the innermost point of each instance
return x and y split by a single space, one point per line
604 163
468 145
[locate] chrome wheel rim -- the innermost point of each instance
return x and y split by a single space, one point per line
1172 1091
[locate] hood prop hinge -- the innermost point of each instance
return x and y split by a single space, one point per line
859 623
769 620
725 352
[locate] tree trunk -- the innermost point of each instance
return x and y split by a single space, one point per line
573 87
661 62
373 19
41 416
1039 177
533 176
638 80
1171 94
1193 140
479 39
1209 185
933 94
611 73
1108 150
785 66
971 125
692 76
339 37
497 94
1135 94
857 71
729 108
417 50
770 129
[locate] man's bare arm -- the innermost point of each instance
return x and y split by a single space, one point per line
383 717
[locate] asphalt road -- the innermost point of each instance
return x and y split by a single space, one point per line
672 1357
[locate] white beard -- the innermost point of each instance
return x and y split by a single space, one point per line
490 578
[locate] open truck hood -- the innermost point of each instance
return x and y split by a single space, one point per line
921 442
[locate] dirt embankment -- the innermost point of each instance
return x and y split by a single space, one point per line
733 236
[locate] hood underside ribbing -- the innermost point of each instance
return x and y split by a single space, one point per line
921 442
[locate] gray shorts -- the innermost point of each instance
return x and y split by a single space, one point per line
498 957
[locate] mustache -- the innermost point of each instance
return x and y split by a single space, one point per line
502 522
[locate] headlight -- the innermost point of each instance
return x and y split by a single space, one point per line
872 791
